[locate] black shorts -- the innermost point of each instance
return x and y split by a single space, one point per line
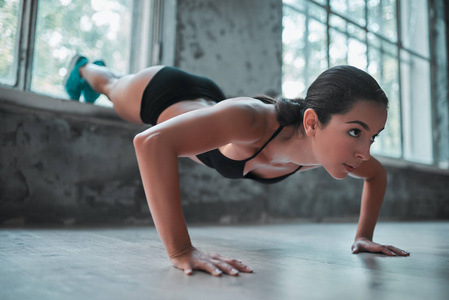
171 85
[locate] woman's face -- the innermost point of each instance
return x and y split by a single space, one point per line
344 143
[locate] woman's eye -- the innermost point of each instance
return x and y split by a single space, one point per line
354 132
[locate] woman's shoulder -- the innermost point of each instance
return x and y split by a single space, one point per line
257 112
251 106
237 120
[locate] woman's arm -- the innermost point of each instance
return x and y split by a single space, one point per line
373 193
158 149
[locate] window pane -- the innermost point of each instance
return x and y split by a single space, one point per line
293 53
415 26
390 84
97 29
382 18
416 108
297 4
304 47
351 9
317 48
384 68
408 132
347 44
301 4
357 54
9 23
338 49
338 23
357 47
317 12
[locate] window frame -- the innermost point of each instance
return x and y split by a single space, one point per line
431 60
147 24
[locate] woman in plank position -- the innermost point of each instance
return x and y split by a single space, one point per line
259 138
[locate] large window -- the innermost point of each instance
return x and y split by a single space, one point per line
387 38
38 39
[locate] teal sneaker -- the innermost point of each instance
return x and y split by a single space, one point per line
72 81
89 94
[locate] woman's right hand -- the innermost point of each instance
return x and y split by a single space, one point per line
190 259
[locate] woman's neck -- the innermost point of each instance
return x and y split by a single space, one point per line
294 147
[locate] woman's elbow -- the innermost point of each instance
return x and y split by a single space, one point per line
145 140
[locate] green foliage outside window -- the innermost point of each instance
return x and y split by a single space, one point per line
9 21
97 29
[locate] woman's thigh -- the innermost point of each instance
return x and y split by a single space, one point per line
126 93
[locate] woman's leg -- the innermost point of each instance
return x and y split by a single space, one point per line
125 92
100 78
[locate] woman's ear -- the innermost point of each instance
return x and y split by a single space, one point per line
310 122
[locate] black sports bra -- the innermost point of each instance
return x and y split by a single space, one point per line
234 169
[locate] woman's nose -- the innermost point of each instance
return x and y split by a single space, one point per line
364 152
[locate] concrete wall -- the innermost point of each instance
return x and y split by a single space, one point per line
62 168
440 85
236 43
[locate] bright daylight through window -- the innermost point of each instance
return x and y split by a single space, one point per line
9 25
388 39
97 29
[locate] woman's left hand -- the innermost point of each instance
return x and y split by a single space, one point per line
365 245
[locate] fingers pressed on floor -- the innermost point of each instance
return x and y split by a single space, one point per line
225 267
388 251
211 268
399 251
239 266
245 268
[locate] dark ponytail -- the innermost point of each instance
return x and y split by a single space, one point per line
288 111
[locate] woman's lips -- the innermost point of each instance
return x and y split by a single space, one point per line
349 168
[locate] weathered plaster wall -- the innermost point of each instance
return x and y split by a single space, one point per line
236 43
55 169
65 169
441 82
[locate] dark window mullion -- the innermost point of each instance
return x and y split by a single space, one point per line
26 44
433 79
31 43
399 46
24 16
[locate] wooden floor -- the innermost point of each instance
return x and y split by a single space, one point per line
291 261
